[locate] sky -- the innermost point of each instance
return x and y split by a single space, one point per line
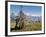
27 10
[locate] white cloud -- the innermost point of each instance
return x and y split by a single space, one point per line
29 14
35 15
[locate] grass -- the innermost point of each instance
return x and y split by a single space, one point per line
33 27
28 26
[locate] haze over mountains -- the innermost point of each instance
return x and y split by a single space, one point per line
34 18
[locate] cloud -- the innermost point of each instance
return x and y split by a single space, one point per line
28 14
35 15
31 14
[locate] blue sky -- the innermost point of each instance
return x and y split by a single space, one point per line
27 10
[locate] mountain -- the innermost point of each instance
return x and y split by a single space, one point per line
34 18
